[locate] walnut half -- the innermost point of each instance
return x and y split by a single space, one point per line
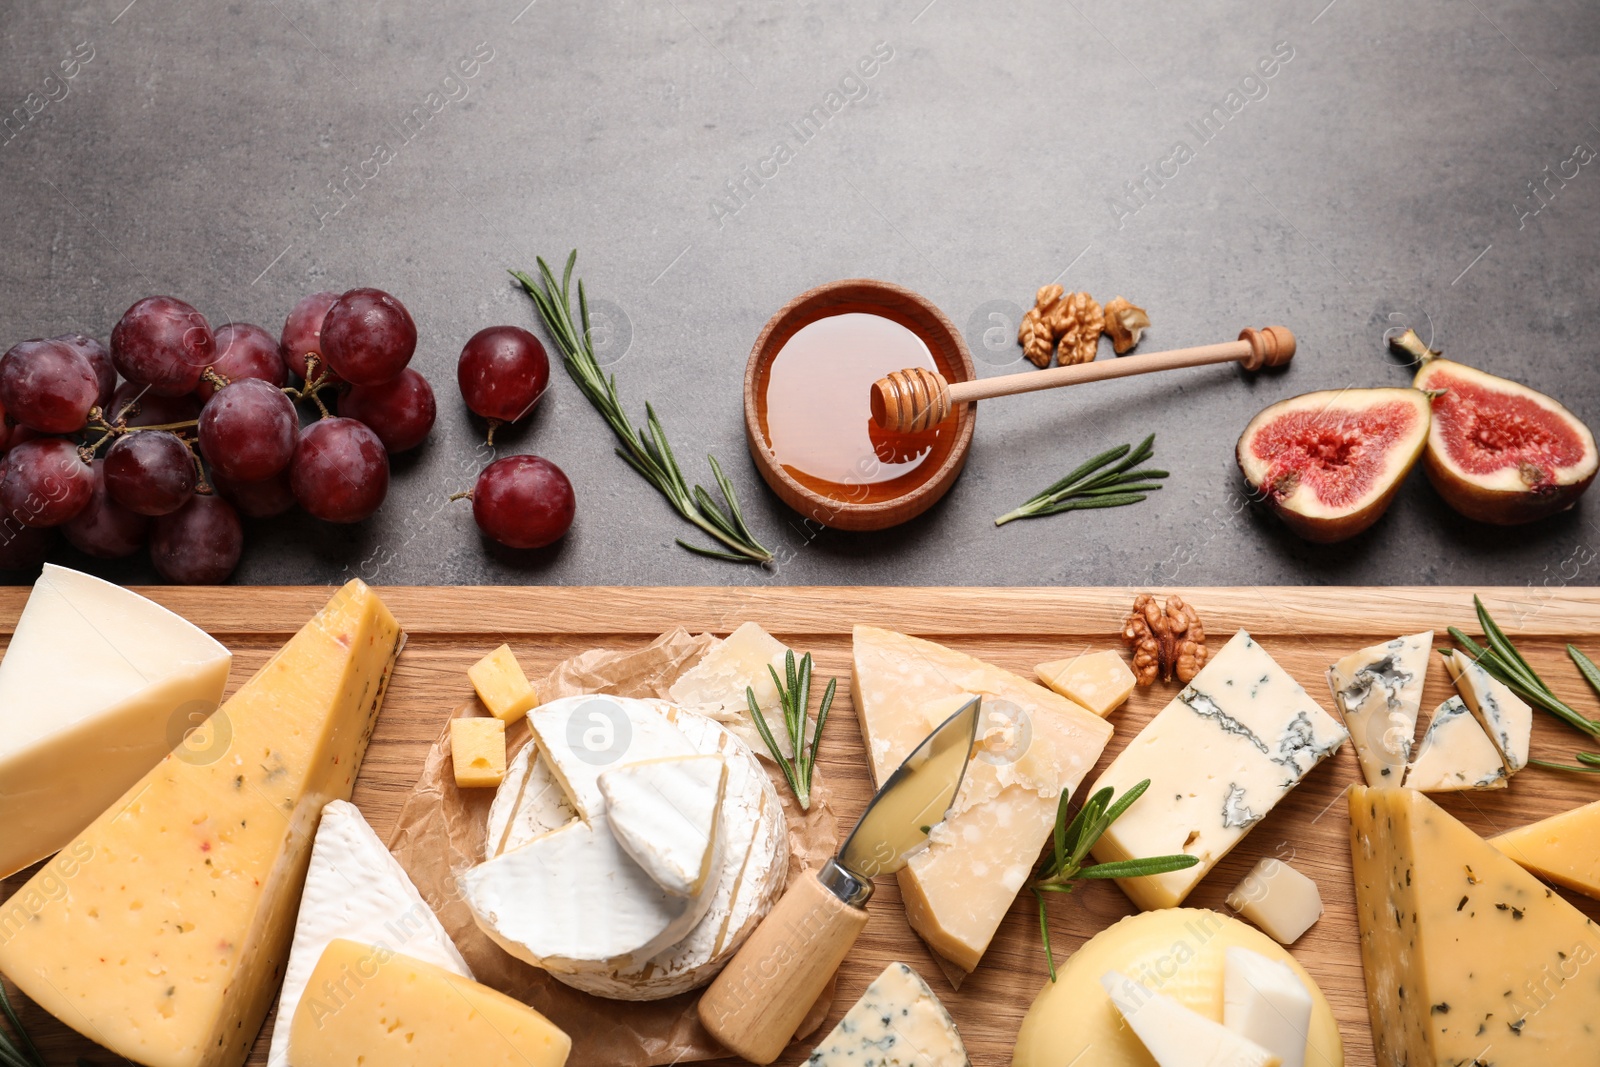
1126 323
1035 334
1077 321
1165 642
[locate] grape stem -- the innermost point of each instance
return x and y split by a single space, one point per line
317 379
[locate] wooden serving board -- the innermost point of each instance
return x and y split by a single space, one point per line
1305 629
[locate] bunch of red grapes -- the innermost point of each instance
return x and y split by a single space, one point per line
204 429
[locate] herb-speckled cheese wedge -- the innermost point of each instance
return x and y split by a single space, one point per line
898 1022
1219 758
1379 692
165 939
1468 958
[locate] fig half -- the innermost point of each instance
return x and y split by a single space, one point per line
1329 463
1500 452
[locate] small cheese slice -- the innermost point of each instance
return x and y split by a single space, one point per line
1564 849
1100 681
1468 958
898 1022
715 686
664 813
1033 744
583 736
1504 716
528 804
1231 745
373 1005
1279 899
355 889
1456 754
167 941
97 685
1379 692
1176 1036
1264 1001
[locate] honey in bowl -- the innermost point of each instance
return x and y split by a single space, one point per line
815 413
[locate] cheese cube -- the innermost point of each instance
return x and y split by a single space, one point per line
898 1022
167 940
1100 681
372 1005
1176 1036
1219 758
1279 899
502 686
1456 754
1564 849
1264 1001
478 751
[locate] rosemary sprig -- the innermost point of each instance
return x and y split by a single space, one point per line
1501 659
1063 868
13 1053
794 698
646 451
1088 486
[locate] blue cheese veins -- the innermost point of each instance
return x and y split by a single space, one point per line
1378 690
898 1022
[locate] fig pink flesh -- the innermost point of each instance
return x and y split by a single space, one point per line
1488 430
1338 452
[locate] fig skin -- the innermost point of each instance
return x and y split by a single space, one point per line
1498 507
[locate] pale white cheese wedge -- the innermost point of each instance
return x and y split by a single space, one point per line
715 686
1456 754
1175 1036
528 804
97 685
1504 716
1263 1001
1379 692
665 813
898 1022
355 889
1279 899
583 736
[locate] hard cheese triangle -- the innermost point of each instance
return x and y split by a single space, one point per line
1468 958
97 685
1034 744
355 889
1379 692
162 930
664 814
1564 849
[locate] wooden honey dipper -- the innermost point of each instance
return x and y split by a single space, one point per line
913 399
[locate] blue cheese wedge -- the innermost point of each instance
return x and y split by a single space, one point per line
1504 716
1456 754
1379 692
1219 758
898 1022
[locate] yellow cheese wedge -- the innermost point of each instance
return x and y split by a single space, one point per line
1564 849
1180 953
1033 745
1100 681
165 939
373 1006
1468 958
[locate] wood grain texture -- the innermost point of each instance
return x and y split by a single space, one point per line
1305 629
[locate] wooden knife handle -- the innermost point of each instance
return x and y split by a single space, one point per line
763 994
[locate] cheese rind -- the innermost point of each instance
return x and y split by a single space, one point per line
1100 681
664 812
1219 758
355 889
528 804
1279 899
97 685
1033 744
1378 690
1174 1035
1456 754
1468 958
478 752
898 1022
166 943
1504 716
1564 849
583 736
1264 1001
372 1005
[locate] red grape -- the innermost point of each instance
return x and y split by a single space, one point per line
248 431
163 343
503 372
523 502
143 407
46 482
99 357
24 548
368 337
105 529
199 544
257 500
400 412
150 472
244 351
302 332
340 472
48 386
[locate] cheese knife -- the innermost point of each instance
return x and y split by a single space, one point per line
761 997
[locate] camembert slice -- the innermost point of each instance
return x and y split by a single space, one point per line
1379 692
665 812
1504 716
898 1022
1033 745
1455 754
582 736
1564 849
528 804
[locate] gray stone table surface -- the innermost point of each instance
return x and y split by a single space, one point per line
239 155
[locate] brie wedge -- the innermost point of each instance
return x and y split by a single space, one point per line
583 736
664 813
528 804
